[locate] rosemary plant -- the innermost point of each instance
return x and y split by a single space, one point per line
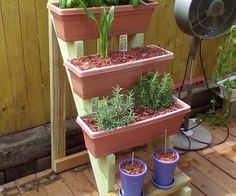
116 111
154 92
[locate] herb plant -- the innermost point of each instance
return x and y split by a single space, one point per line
230 84
103 25
154 92
226 61
116 111
68 3
96 3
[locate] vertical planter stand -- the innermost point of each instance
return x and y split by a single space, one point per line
103 167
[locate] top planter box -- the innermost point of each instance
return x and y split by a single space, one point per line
73 24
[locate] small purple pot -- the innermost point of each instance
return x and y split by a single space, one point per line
163 170
132 185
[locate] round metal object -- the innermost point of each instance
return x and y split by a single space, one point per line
205 19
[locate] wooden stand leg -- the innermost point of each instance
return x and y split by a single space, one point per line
70 50
57 99
104 172
136 40
185 191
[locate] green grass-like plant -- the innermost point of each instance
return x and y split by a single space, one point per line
116 111
154 92
103 25
96 3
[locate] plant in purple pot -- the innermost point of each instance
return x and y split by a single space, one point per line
132 173
164 162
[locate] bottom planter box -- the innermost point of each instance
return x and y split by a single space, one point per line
107 142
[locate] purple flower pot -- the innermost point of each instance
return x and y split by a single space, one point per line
163 176
132 184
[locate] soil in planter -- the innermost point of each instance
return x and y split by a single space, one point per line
134 168
168 156
141 113
117 57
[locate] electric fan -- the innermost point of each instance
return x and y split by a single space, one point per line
201 19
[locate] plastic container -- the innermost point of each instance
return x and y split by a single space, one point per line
73 24
132 184
222 88
106 142
163 174
100 81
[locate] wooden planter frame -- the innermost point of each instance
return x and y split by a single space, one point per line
104 167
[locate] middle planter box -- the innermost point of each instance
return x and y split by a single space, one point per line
99 81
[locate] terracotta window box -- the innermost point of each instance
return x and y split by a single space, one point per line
106 142
99 82
73 24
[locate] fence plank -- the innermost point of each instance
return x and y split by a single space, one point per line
17 72
6 99
42 28
31 61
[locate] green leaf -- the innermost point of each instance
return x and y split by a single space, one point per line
135 3
69 3
62 3
110 17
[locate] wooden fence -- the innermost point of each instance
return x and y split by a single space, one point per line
24 61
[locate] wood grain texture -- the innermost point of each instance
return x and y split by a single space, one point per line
215 174
6 96
71 161
28 186
9 189
42 34
17 73
57 99
53 184
79 183
31 59
199 179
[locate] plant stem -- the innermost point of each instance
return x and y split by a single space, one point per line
132 159
165 141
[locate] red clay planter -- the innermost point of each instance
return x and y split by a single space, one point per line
98 82
73 23
107 142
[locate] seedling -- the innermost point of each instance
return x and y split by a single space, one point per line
103 25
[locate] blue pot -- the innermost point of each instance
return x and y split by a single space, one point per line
132 184
163 170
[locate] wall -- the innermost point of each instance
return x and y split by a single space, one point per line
24 75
